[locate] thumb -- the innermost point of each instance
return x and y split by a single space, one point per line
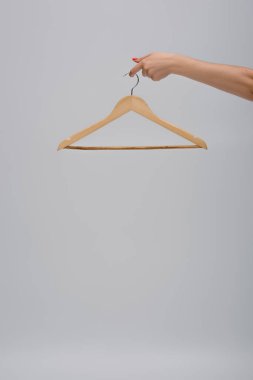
135 69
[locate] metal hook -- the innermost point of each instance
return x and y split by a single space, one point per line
136 83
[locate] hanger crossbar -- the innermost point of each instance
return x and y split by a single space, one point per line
131 147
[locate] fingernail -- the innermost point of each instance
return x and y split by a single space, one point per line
134 59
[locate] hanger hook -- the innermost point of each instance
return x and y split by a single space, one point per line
136 83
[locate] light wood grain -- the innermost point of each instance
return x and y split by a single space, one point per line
138 105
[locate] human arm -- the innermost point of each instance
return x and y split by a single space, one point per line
237 80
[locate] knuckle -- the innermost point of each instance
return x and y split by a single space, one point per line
144 65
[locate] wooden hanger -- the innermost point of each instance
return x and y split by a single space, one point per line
138 105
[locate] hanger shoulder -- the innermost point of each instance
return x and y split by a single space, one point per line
123 106
141 107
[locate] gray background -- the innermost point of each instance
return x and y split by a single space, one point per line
123 264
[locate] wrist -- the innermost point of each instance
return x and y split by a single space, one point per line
178 64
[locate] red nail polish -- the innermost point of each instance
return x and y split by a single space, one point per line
134 59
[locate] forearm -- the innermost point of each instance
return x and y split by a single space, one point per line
234 79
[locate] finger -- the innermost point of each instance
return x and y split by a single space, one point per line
135 69
151 74
144 56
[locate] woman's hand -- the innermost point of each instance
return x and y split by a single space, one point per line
237 80
154 65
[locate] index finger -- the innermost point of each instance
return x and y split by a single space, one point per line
135 69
